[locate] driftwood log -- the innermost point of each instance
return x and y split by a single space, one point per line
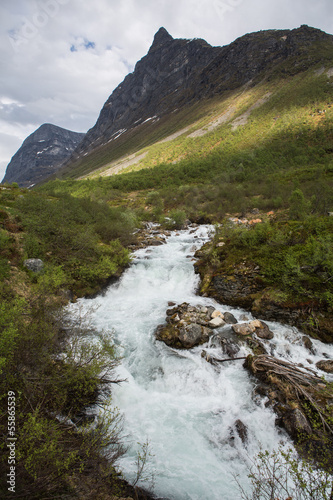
303 383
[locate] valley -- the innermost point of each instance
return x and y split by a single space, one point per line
207 179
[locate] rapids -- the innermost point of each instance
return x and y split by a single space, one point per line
185 407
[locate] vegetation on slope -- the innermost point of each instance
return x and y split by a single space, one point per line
54 366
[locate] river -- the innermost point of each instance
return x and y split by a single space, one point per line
185 407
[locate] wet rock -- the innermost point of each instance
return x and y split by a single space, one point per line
229 347
210 311
241 430
186 326
296 423
243 329
281 382
325 365
190 335
216 314
256 346
307 342
229 318
262 330
34 265
216 322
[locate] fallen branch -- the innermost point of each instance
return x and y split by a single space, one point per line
212 360
293 376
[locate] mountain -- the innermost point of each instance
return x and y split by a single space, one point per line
41 154
177 74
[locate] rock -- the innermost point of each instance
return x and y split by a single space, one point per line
241 430
255 324
34 265
216 322
229 318
256 346
262 330
325 365
204 310
229 347
244 317
307 342
243 329
296 423
210 310
170 304
216 314
190 335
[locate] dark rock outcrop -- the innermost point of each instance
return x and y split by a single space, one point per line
41 154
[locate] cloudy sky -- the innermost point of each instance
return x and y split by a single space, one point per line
61 59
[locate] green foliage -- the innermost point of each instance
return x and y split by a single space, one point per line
55 364
294 256
82 240
175 220
10 312
299 207
283 474
144 473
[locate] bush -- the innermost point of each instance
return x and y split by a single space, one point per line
282 474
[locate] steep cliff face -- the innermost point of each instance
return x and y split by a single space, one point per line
163 80
178 72
41 154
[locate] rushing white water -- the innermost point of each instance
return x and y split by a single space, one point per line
184 406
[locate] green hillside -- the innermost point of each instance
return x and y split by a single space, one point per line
275 136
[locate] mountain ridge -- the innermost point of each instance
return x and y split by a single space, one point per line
176 73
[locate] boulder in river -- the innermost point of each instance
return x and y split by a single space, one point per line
229 318
216 322
188 326
326 365
262 330
243 329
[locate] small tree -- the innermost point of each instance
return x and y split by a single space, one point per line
299 206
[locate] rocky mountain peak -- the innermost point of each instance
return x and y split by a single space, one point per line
160 38
41 154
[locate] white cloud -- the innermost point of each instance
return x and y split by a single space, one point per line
43 80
